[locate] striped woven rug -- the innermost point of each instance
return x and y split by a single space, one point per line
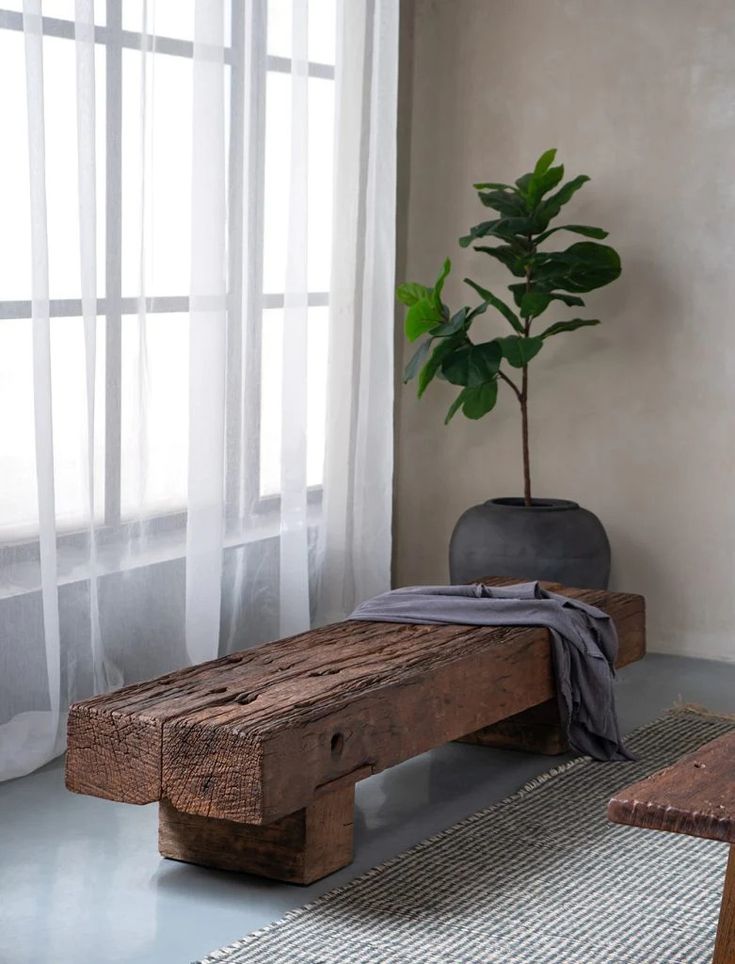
541 878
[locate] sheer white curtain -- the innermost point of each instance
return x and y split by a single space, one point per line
196 329
356 531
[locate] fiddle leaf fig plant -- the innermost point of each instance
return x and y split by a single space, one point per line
524 211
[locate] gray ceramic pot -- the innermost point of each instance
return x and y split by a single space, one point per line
552 539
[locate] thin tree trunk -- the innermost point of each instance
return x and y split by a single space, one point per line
524 399
524 429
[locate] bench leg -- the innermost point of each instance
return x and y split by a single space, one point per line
725 943
299 848
537 730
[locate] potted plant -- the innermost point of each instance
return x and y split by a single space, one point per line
519 536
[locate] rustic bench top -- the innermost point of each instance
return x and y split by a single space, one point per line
694 796
260 734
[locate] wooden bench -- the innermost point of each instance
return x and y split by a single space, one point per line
695 796
254 757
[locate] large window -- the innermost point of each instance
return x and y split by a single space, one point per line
143 181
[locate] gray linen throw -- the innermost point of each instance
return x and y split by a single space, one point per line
584 645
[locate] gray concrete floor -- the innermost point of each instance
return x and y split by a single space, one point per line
81 880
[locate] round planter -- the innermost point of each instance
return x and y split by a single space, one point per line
552 539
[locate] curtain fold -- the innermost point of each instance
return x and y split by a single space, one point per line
87 180
211 408
294 562
207 337
34 734
355 539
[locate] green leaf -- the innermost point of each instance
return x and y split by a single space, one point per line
506 256
416 361
553 205
438 287
545 161
411 292
427 311
507 229
451 327
571 301
582 229
501 306
522 183
541 184
421 317
493 186
473 365
519 350
454 407
478 310
559 326
519 291
543 179
445 347
459 321
477 402
534 303
584 266
474 402
507 203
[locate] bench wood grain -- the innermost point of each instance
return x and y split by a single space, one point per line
299 848
263 734
695 796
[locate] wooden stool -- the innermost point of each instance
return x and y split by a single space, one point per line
695 796
254 756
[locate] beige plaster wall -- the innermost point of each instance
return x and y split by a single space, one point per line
634 419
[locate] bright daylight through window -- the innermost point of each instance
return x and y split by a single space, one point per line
143 189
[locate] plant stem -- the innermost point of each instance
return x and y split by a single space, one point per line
512 384
523 399
524 431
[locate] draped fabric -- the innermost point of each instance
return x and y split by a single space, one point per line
196 330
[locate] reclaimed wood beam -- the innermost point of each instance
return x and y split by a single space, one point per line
257 735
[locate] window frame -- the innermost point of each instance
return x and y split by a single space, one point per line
250 65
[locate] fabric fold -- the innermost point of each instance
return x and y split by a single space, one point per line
584 646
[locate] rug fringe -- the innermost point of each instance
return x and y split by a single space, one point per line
680 708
